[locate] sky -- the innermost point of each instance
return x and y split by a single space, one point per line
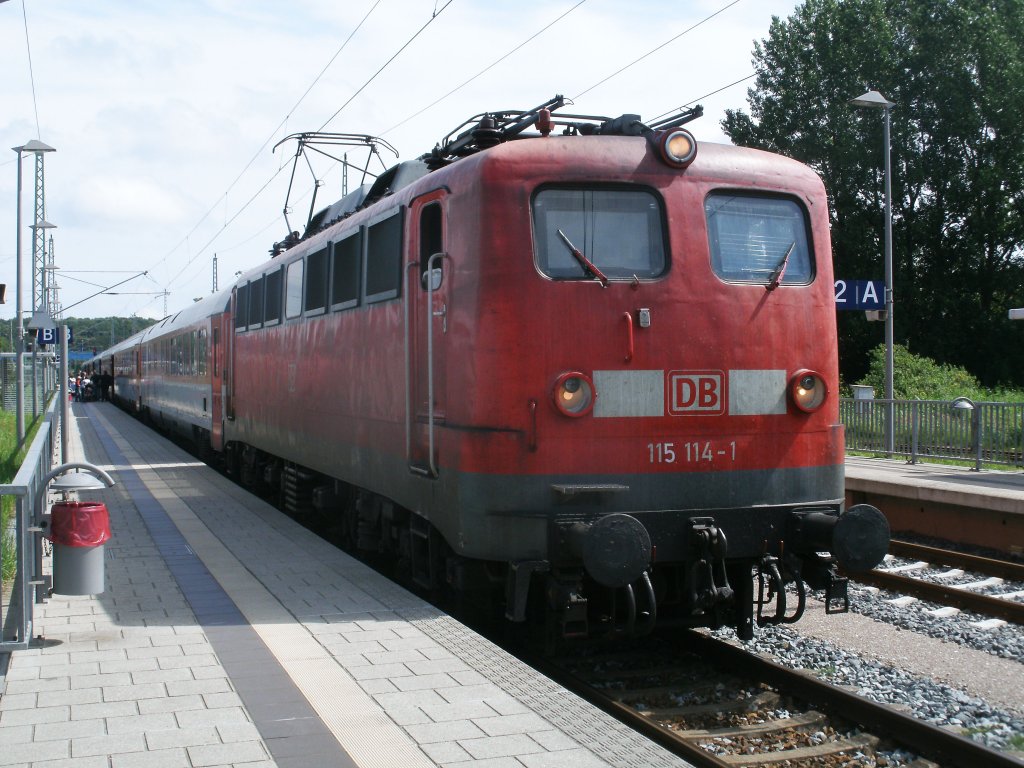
164 114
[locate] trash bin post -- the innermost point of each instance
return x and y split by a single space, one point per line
78 530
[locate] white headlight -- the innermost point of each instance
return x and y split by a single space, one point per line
808 390
574 394
678 147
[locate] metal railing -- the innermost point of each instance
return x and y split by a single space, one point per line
28 489
961 430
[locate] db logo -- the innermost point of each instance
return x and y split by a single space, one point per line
695 392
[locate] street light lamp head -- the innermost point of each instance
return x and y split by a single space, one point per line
41 320
872 99
34 145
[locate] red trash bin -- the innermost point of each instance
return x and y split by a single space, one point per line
78 530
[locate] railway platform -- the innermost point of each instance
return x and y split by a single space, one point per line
985 509
228 635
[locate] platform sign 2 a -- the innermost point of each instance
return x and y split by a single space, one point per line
52 336
860 294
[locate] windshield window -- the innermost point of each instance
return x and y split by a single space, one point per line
757 239
619 231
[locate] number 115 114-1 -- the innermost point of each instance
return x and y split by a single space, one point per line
690 452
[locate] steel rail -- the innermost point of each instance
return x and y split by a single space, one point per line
930 741
1004 569
945 594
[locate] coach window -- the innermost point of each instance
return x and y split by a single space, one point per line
316 282
272 298
757 239
345 271
384 259
241 307
619 231
256 303
293 290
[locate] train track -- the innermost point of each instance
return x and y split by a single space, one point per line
950 594
682 708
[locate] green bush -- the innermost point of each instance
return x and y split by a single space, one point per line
921 378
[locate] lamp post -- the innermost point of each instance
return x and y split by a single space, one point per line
41 319
876 100
37 148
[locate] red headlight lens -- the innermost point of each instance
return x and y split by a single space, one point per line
808 390
574 394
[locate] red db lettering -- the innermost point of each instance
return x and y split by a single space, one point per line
695 392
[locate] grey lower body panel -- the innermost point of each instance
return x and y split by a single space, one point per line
510 517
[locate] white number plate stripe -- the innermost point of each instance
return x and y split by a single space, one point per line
753 393
629 393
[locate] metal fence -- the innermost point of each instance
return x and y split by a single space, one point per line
41 381
27 586
962 430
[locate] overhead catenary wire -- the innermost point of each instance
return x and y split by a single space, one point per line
691 102
486 69
388 62
654 50
31 71
270 138
227 223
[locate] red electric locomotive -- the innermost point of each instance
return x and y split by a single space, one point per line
573 362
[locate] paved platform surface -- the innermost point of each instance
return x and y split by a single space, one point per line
228 635
940 483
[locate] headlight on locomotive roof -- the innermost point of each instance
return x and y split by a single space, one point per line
574 394
808 390
678 148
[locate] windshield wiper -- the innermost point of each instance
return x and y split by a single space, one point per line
780 269
587 264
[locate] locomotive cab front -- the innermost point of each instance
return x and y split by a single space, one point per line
664 322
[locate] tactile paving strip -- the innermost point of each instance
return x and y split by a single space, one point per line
617 744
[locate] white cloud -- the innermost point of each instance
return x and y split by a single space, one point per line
114 201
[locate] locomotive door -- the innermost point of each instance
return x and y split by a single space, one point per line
227 374
217 381
428 302
138 379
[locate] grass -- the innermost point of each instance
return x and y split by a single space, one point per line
10 462
931 460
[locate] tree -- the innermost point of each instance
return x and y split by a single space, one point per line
955 69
